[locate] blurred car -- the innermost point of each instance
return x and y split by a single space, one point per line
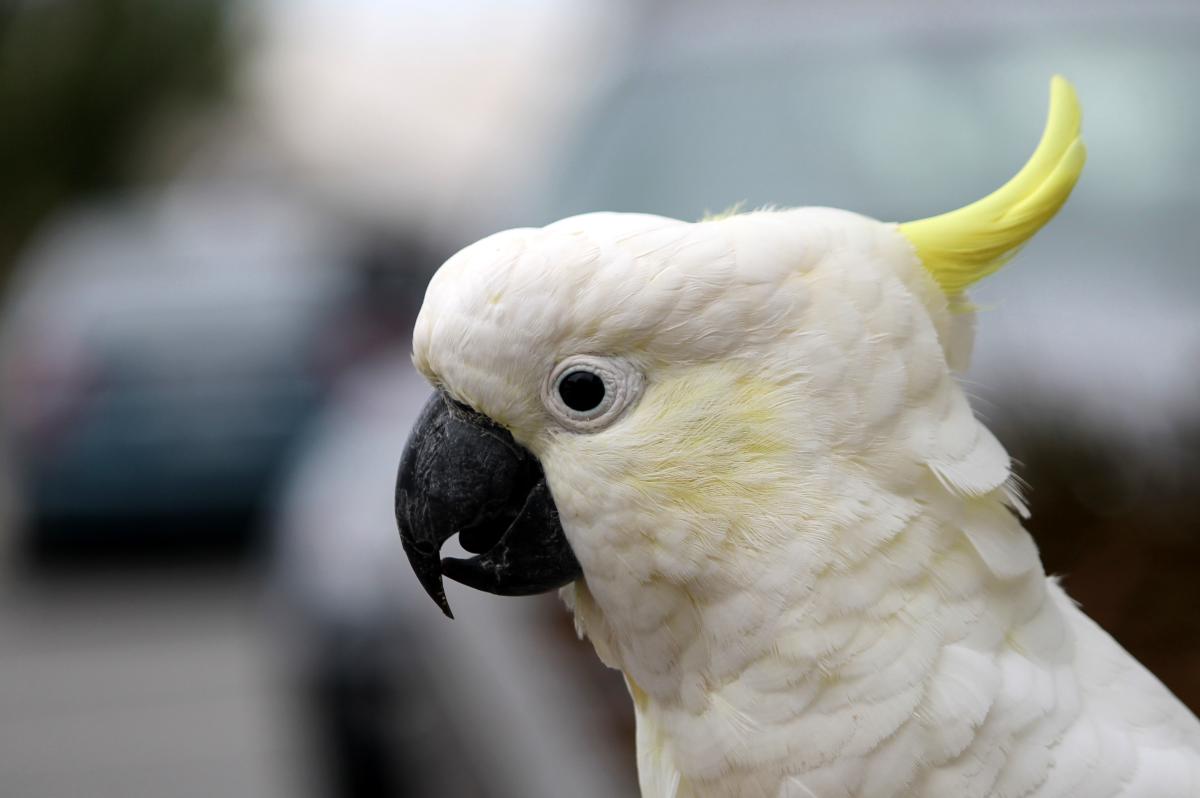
160 356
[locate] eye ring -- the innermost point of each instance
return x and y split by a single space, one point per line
620 384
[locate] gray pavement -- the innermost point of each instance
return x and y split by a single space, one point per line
141 685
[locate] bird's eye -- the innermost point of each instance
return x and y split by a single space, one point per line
586 393
581 390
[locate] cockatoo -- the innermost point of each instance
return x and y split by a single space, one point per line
739 449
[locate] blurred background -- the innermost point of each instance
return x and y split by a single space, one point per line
217 218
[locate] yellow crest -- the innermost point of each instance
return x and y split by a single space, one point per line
963 246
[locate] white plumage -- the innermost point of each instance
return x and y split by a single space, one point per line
799 545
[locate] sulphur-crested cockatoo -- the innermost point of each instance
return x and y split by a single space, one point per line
739 449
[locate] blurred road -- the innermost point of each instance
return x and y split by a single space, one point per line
104 692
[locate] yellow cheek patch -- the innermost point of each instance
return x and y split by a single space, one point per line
707 442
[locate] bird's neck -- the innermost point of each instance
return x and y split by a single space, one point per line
796 645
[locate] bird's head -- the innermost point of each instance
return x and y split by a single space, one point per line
637 400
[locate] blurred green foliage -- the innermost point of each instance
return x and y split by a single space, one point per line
82 84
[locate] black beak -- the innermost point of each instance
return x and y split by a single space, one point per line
461 473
